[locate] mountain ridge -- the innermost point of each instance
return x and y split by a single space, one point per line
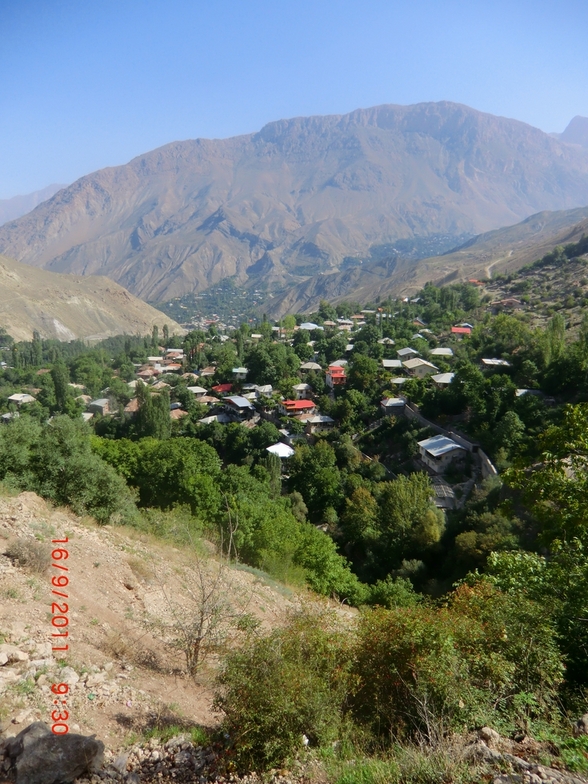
17 206
298 197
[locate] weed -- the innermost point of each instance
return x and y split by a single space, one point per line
31 555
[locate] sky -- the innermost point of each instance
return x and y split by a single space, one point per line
86 85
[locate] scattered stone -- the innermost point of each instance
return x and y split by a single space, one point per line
489 735
13 654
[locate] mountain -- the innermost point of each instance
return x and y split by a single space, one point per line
13 208
502 250
299 197
576 132
70 306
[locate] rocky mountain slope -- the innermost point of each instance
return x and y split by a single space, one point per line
70 306
502 250
298 198
11 209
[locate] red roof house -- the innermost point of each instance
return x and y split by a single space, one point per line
461 330
223 389
297 406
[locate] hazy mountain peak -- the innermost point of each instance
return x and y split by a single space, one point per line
13 208
576 132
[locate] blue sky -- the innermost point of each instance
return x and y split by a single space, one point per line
91 84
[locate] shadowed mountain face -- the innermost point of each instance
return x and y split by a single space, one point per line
69 306
298 198
501 250
11 209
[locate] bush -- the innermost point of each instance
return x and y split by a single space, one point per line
277 688
31 555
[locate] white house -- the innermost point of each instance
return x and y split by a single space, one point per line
407 353
442 380
240 373
419 368
302 391
441 352
20 398
390 364
439 452
392 406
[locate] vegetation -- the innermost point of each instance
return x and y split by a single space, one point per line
470 613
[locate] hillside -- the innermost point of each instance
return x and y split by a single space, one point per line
121 586
299 197
500 251
11 209
70 306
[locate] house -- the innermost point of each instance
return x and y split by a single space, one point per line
198 392
21 398
281 450
318 423
441 352
386 342
132 406
419 322
336 376
444 494
240 373
510 302
461 330
292 407
302 391
419 368
208 400
222 418
389 364
160 385
392 406
307 366
172 367
407 353
264 390
100 406
493 363
86 416
329 323
208 371
238 405
178 413
223 389
442 380
399 380
439 452
309 326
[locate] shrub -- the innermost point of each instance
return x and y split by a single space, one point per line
31 555
279 687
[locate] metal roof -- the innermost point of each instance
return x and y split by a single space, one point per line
439 445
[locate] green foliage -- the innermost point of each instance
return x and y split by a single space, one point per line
56 461
279 687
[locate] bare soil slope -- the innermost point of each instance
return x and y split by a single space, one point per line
124 591
70 306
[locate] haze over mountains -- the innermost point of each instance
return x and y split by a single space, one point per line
13 208
302 197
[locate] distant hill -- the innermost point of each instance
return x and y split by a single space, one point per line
303 196
576 132
70 306
13 208
502 250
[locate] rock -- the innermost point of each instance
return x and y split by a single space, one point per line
480 752
489 735
94 680
3 659
509 778
581 726
13 654
120 763
69 675
40 757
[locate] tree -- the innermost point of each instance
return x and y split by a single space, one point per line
60 377
153 417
